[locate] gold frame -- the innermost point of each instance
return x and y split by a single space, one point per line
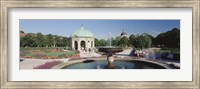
194 4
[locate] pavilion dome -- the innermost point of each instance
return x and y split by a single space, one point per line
123 33
82 33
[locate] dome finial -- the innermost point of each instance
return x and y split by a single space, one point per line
123 30
82 27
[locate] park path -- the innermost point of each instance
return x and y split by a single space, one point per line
89 54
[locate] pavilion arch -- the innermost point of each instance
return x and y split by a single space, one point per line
76 45
83 44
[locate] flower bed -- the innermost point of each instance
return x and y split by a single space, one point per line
47 65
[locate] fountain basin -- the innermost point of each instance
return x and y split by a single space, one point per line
110 49
109 52
100 63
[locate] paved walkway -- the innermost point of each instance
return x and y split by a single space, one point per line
31 63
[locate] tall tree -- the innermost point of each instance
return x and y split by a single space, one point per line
96 41
131 39
169 39
29 40
40 40
65 42
123 41
115 41
147 39
102 42
141 41
50 39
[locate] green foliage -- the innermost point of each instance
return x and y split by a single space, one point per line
131 40
123 41
50 41
169 39
100 42
147 40
115 41
65 42
96 41
40 40
28 40
140 41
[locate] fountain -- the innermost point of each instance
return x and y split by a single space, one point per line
109 50
101 63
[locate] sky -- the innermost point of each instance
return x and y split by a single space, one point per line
100 28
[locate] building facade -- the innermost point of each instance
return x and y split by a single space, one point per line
82 39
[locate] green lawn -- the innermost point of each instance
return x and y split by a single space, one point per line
53 54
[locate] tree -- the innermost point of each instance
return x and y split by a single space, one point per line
173 38
58 41
102 42
131 39
140 41
28 40
147 39
123 41
152 38
50 40
40 40
160 39
115 41
65 42
169 39
96 42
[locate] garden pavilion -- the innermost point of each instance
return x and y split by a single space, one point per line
82 39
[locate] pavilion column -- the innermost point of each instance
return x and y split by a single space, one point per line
93 44
72 44
79 45
86 44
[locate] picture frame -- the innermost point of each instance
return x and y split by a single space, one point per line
4 54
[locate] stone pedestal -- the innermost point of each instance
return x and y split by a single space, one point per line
110 60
